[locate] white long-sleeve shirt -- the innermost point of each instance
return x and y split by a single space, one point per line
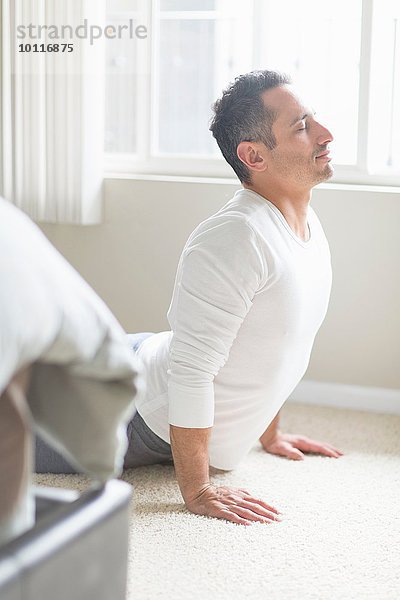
248 300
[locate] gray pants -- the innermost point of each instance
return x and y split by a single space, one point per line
145 447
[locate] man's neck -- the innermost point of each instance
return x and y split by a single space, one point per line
292 204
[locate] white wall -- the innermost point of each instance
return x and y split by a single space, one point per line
131 261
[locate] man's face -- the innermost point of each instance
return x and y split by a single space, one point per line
301 154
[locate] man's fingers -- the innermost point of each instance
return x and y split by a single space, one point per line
247 496
292 446
244 491
329 452
233 517
232 504
288 450
260 510
250 498
238 513
295 454
334 449
245 513
308 445
321 449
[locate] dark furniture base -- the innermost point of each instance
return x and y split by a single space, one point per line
77 549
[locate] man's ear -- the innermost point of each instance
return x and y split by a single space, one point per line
252 155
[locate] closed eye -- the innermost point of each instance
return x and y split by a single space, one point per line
303 121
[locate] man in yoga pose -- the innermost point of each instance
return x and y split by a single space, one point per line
251 291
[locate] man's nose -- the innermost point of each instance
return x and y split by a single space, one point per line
324 136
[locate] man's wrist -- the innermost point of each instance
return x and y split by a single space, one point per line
271 433
192 494
190 453
268 437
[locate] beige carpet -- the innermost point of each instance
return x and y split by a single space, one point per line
340 537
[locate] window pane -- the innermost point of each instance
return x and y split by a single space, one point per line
187 4
384 140
320 48
196 59
119 6
186 88
121 96
122 78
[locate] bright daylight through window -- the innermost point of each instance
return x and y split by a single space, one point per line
345 55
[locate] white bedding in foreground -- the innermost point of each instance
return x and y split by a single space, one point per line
85 375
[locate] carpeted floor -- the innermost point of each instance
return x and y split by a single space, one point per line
339 539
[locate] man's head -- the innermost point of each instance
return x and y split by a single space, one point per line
264 129
241 115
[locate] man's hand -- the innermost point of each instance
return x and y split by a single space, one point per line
190 452
233 504
290 445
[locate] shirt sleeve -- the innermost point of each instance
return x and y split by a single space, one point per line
219 272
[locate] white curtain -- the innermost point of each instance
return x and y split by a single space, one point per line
52 112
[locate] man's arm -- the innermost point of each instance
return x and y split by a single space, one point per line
190 453
218 275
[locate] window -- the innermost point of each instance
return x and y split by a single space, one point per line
345 55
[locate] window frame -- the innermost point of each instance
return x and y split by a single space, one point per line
145 162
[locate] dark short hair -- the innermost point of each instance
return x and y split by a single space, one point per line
241 116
